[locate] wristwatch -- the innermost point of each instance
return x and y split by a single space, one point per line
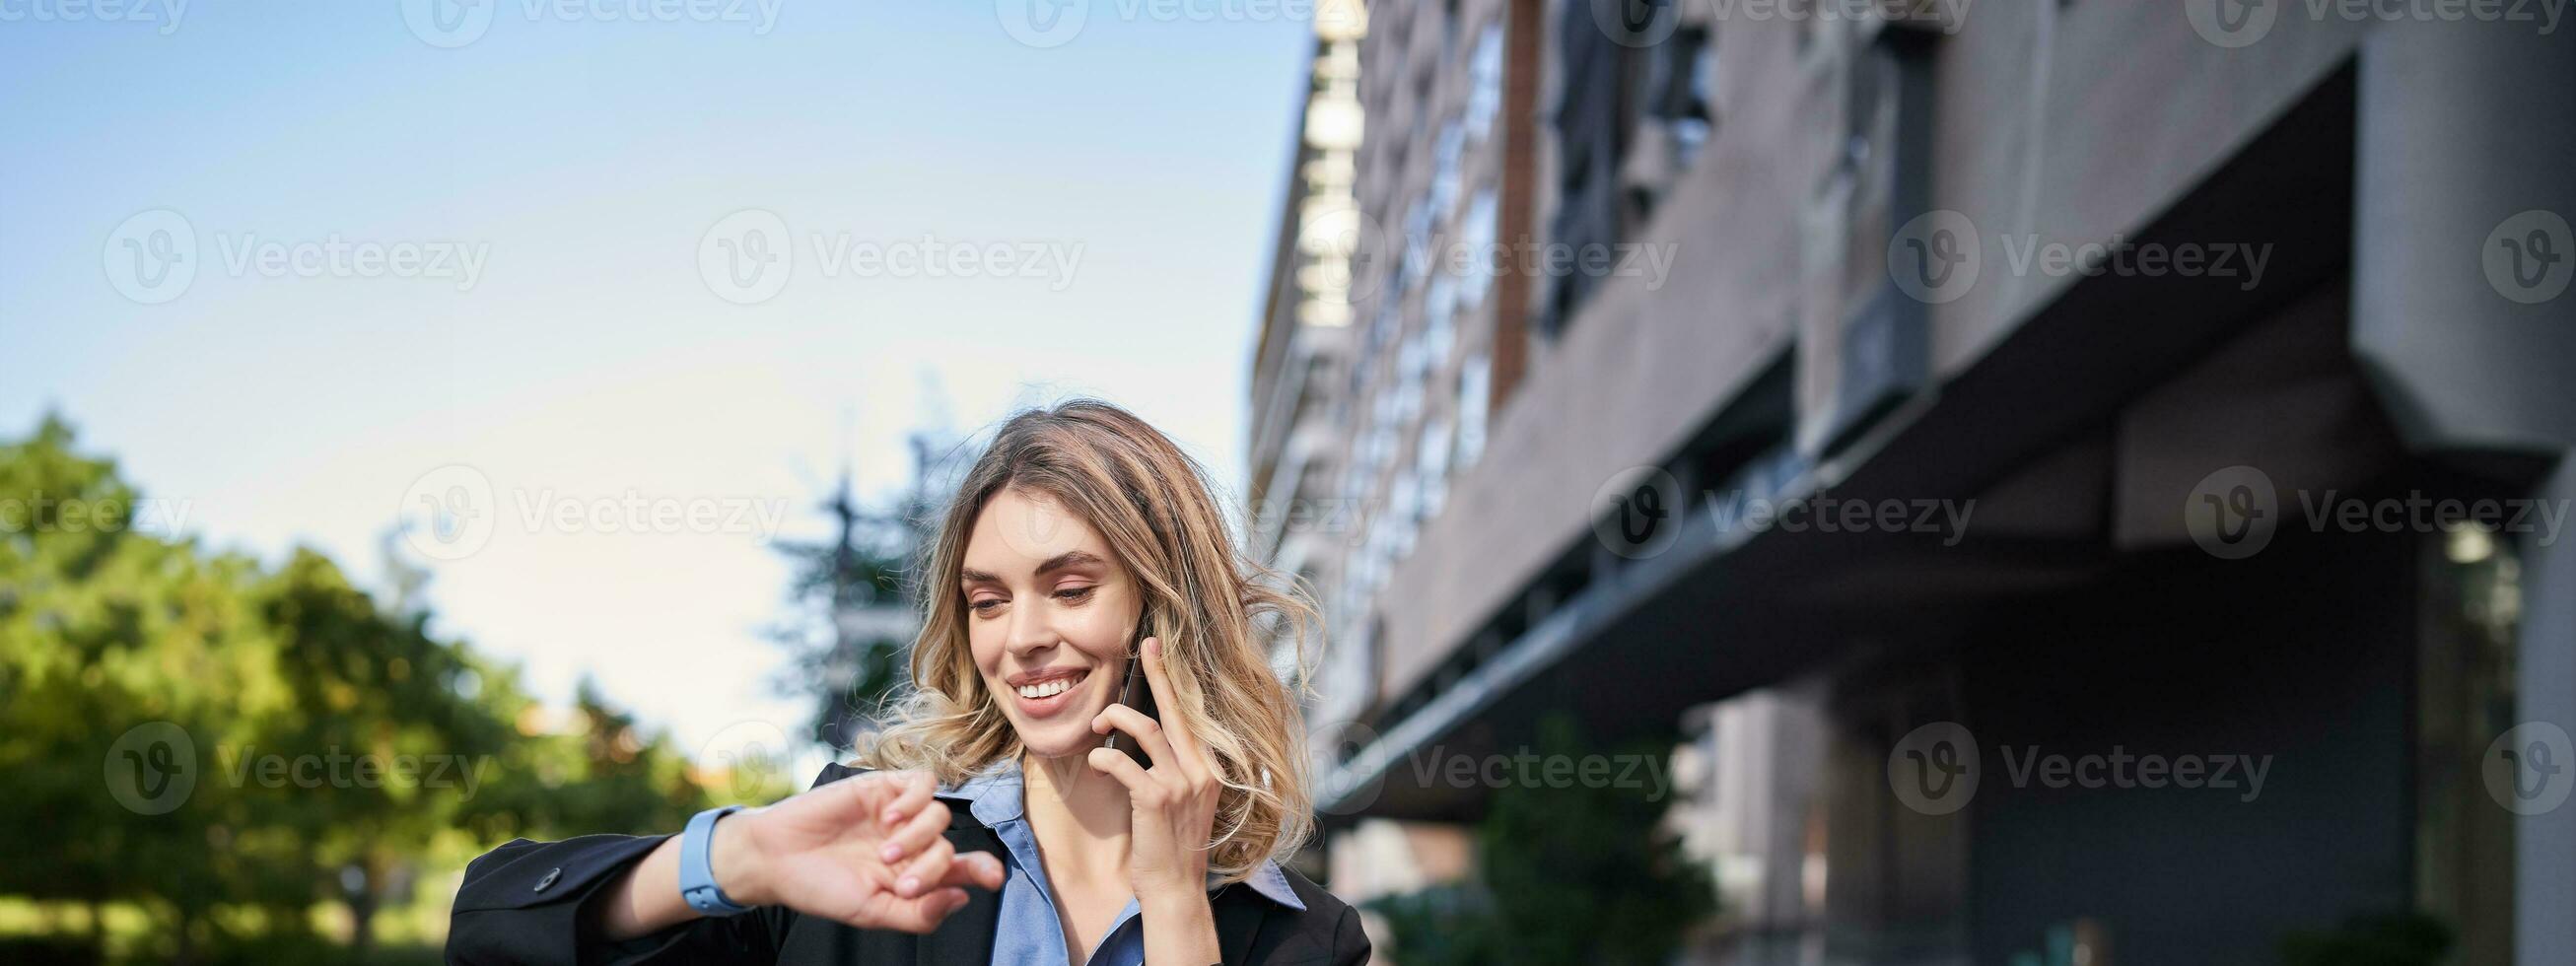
697 875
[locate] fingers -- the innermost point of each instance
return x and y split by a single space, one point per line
1141 788
1147 731
926 871
911 791
924 826
1158 675
979 869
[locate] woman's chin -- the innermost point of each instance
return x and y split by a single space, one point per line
1069 741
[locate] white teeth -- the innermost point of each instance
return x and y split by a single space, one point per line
1045 688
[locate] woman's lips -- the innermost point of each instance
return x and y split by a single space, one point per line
1051 704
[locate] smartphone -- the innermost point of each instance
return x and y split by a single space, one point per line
1137 693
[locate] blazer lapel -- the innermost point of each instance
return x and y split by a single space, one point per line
965 938
1238 920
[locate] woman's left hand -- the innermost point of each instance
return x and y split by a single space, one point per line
1174 802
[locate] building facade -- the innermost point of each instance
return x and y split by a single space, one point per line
1869 396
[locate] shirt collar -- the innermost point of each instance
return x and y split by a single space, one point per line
994 797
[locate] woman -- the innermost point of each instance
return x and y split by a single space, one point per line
990 823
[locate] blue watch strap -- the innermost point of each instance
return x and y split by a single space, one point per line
697 875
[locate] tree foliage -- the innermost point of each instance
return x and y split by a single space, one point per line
331 744
1580 874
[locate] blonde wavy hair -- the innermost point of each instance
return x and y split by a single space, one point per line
1213 608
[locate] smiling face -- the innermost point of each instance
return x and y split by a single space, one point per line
1049 614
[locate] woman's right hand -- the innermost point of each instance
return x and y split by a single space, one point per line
865 851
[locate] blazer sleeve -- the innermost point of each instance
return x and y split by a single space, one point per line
529 902
1351 942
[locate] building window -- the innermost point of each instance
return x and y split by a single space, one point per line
1475 379
1485 82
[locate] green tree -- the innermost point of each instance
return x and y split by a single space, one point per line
1566 875
332 746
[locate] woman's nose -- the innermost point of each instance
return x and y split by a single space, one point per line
1031 631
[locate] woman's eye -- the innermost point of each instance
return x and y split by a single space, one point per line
984 606
1074 593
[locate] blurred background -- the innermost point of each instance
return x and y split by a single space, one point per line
2047 483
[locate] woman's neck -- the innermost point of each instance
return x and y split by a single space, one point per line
1080 816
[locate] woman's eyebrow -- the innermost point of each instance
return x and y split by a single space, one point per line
1069 558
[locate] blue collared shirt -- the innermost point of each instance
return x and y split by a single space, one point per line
1029 930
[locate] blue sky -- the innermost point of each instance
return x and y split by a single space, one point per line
297 390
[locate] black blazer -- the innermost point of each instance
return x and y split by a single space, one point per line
525 902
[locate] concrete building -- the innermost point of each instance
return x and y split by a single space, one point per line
1897 407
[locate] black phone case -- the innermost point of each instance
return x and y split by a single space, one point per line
1137 693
